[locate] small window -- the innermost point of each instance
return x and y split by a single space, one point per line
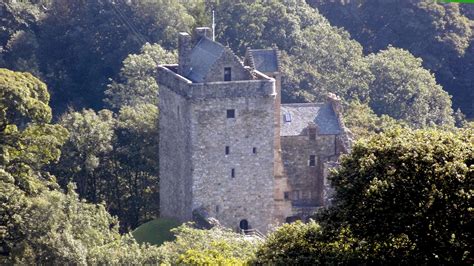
312 160
230 113
227 74
254 150
232 173
312 133
227 150
178 110
217 208
287 117
286 195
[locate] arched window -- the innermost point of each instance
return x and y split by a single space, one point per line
244 224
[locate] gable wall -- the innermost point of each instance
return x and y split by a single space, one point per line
228 59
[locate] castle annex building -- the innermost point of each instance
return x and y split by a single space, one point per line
228 146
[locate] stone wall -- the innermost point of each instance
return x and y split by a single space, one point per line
195 172
307 182
249 194
175 156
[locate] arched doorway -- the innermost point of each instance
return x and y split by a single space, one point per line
244 224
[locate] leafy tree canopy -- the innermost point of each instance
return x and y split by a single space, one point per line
404 90
137 78
408 194
439 33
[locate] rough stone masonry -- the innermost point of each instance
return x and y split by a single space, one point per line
229 149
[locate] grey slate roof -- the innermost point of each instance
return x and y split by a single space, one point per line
202 57
302 114
264 60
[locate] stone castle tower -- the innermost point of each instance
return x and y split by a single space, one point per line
221 128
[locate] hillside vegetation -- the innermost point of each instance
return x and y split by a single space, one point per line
79 129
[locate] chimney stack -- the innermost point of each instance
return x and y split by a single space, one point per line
184 51
200 32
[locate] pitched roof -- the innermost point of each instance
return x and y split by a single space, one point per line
301 114
202 57
264 60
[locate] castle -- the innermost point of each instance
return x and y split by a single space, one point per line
230 149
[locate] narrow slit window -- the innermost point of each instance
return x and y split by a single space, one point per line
227 150
312 133
312 160
254 150
232 173
227 74
287 117
230 113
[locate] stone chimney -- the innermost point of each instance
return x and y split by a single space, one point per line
200 32
335 102
184 51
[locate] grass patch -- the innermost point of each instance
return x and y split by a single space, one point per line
155 232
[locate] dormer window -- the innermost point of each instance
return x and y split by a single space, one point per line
227 74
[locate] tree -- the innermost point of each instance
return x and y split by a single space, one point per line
318 58
136 159
363 122
114 160
215 246
27 141
137 79
306 244
76 47
404 90
39 224
439 33
408 195
86 154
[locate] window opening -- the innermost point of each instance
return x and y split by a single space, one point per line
230 113
312 133
227 74
312 160
287 117
227 150
232 173
254 150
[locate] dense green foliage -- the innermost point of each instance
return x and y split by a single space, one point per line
217 246
402 197
76 46
404 90
410 195
113 159
307 244
137 83
39 224
439 33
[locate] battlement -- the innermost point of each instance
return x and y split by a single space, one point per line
260 86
